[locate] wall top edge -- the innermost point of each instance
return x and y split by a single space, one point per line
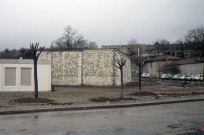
98 49
24 61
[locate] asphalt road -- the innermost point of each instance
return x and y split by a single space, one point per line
172 119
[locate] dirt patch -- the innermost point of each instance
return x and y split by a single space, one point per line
105 99
33 100
143 93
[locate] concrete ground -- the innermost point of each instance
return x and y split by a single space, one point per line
171 119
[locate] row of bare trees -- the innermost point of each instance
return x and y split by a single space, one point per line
70 40
192 41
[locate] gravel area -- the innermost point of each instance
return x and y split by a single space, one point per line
80 96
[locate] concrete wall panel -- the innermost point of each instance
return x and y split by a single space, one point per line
1 77
44 77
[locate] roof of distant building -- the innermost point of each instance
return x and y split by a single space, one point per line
187 61
165 57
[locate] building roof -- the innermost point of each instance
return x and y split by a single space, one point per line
165 57
186 61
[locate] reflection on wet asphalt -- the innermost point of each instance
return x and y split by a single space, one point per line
172 119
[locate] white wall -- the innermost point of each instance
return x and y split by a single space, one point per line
44 78
196 68
1 77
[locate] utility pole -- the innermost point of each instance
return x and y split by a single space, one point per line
185 80
140 70
203 73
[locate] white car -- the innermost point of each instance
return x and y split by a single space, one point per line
182 77
177 76
165 76
146 75
197 77
188 77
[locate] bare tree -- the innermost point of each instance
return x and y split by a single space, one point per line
9 54
182 47
120 63
135 57
72 40
161 46
34 49
92 45
132 42
195 41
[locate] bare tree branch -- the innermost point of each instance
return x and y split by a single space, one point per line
40 51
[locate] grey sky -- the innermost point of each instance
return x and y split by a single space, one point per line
107 22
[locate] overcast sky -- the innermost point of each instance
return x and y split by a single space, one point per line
108 22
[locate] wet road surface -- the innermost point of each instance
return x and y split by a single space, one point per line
172 119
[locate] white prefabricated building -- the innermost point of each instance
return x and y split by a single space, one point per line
18 75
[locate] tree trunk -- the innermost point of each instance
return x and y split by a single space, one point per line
35 78
121 72
140 76
203 73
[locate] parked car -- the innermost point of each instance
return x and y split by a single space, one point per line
188 77
182 77
164 76
167 76
197 77
177 76
170 76
145 75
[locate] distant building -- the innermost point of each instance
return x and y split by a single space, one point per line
189 66
18 75
154 66
147 50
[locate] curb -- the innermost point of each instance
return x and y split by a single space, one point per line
98 107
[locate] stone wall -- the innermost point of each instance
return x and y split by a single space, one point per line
98 67
88 67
